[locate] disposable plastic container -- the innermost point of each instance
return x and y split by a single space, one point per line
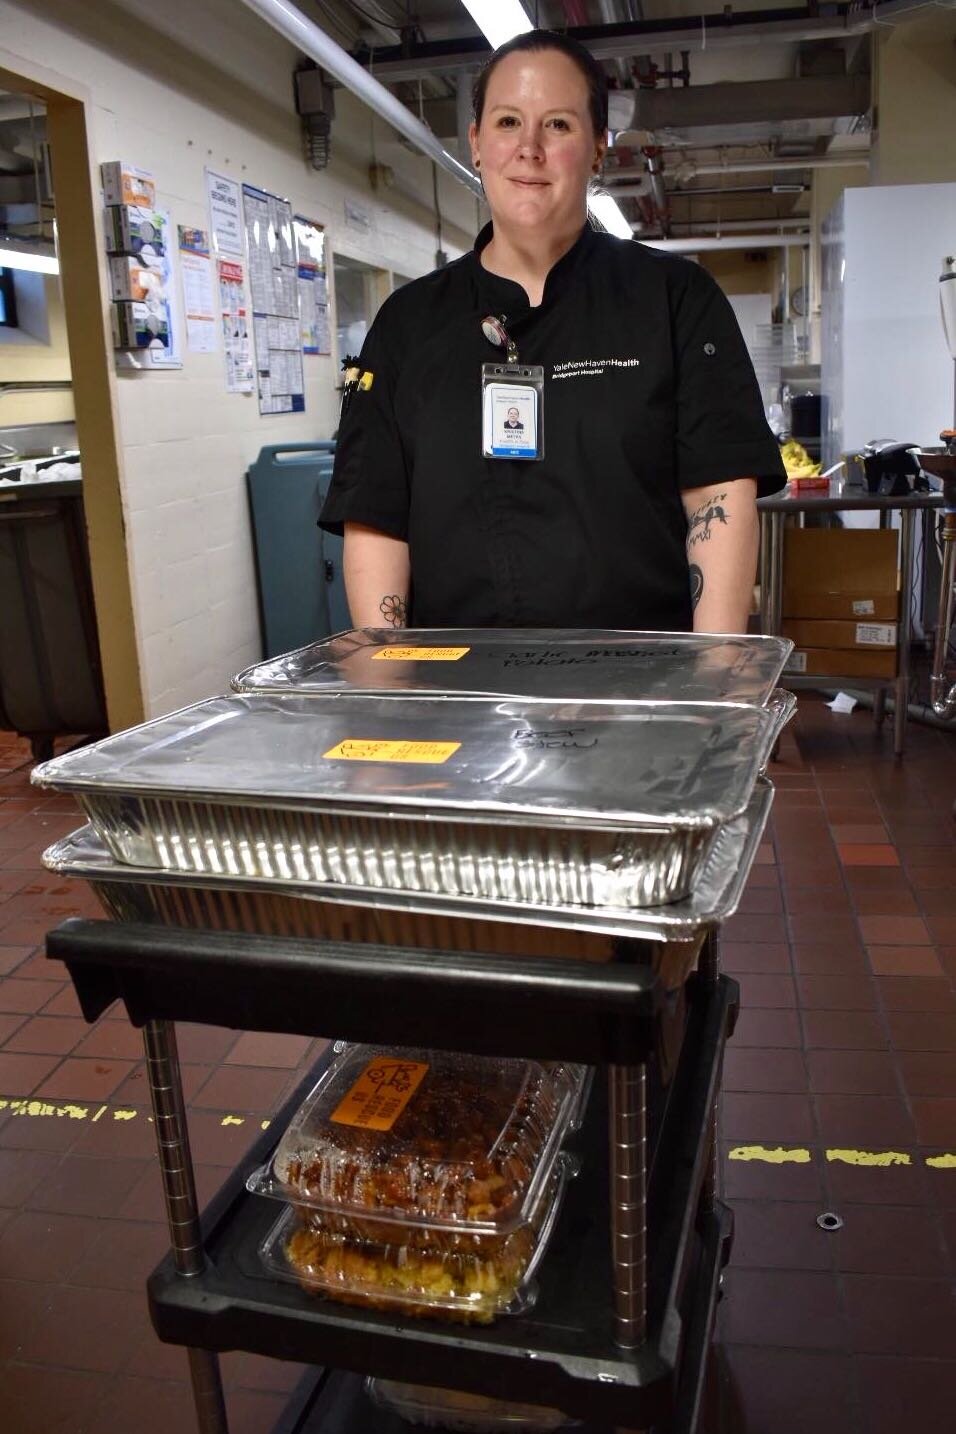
424 1149
457 1410
482 1278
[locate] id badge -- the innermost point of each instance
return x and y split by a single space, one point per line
512 397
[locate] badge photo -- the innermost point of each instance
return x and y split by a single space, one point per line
510 421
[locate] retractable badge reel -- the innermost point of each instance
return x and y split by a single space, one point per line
512 400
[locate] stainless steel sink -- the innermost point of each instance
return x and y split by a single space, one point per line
36 440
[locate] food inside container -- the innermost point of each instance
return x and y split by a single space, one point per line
424 1149
463 1285
457 1410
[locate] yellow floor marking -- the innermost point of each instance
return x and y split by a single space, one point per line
776 1155
767 1154
870 1157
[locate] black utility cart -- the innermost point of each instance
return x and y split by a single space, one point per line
620 1332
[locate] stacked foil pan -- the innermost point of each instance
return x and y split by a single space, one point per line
314 801
548 664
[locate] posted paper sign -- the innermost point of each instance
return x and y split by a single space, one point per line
240 377
198 296
225 214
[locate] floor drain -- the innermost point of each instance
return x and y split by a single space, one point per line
829 1221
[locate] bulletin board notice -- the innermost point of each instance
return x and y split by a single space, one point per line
273 284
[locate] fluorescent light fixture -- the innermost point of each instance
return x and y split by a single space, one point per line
608 211
498 20
22 254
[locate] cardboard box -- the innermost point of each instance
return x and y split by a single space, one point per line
839 573
135 278
847 636
134 229
839 662
123 183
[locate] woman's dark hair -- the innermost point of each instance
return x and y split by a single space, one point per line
531 40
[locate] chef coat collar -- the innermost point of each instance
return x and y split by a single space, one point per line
507 297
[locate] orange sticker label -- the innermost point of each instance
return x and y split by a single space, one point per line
361 749
420 654
380 1094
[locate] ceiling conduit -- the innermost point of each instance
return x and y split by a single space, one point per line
306 36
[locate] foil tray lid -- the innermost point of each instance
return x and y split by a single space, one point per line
632 765
534 662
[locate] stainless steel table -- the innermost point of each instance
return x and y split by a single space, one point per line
841 499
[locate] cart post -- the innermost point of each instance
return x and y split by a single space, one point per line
628 1132
708 971
182 1211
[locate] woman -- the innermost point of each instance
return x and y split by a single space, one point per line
638 508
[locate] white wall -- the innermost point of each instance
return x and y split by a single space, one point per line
213 87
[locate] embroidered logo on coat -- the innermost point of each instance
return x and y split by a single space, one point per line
590 368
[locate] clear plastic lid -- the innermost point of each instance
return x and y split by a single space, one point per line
430 1141
466 1286
457 1410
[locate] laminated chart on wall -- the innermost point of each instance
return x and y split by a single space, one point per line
274 286
310 251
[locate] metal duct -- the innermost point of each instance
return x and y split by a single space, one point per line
300 31
700 32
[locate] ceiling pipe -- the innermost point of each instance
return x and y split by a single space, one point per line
704 244
718 192
742 226
306 36
690 168
761 166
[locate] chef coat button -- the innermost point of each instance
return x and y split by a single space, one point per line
710 349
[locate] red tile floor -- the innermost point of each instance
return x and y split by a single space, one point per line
840 1095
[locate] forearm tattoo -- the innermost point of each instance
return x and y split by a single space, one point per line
703 518
696 584
394 609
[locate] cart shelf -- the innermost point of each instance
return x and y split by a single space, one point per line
563 1353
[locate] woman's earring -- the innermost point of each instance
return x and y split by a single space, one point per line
477 163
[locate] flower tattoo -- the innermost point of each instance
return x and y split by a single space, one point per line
394 610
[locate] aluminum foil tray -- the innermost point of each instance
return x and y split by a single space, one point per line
597 804
427 921
553 663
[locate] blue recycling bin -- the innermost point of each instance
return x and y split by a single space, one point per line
299 575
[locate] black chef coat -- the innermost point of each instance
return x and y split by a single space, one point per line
648 390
